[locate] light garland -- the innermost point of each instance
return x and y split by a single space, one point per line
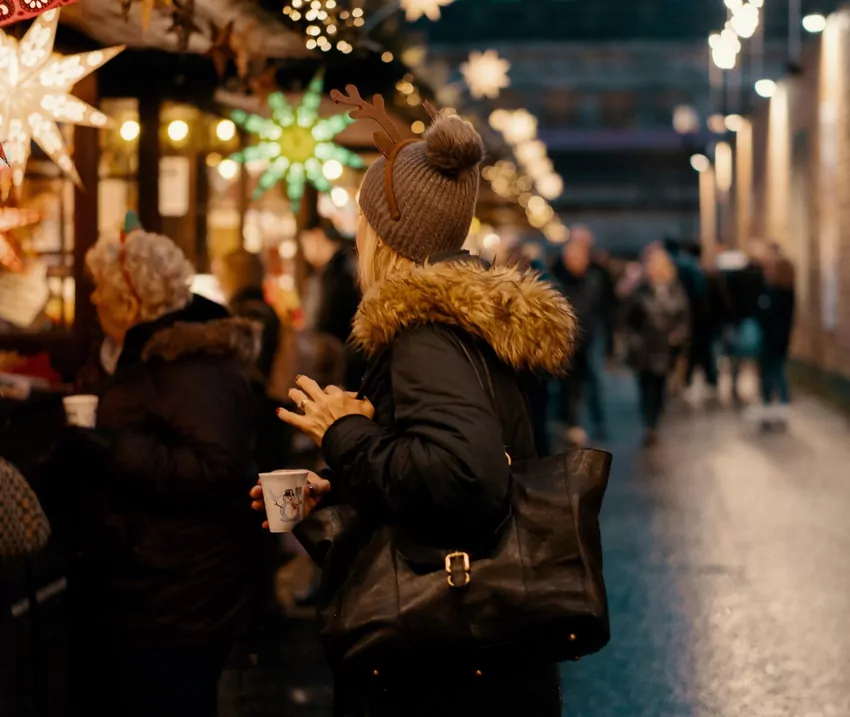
35 87
519 128
743 23
296 143
327 23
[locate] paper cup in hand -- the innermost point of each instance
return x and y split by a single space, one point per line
81 410
283 494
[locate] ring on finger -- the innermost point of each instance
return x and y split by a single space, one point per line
304 402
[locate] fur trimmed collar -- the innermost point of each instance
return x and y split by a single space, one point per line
525 320
236 338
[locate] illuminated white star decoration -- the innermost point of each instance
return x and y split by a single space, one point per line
414 9
296 143
486 74
35 86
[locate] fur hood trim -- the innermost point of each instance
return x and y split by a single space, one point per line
235 338
525 320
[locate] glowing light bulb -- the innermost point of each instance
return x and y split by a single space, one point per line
733 122
340 197
700 162
178 130
228 169
332 169
814 23
226 130
130 130
418 127
766 88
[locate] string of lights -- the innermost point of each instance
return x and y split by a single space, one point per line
327 24
744 19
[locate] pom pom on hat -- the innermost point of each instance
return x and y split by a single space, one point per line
452 145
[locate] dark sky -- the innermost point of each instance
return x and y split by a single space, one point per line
597 20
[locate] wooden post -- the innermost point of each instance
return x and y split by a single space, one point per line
86 210
744 182
149 154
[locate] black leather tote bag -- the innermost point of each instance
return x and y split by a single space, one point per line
534 587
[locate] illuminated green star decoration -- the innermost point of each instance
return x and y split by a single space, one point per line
297 143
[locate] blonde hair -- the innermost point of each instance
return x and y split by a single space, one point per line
376 260
150 271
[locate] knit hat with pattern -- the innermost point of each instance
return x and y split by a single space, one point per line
420 196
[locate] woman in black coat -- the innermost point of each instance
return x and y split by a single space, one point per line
164 557
422 448
657 322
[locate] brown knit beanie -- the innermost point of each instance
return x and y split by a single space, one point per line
420 196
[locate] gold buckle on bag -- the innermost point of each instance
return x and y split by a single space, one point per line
452 569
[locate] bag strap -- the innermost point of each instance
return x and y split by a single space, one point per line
486 383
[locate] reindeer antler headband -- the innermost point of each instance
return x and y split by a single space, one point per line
388 139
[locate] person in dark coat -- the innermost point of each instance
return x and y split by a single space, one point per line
743 286
241 275
657 322
775 315
422 447
584 288
165 554
335 297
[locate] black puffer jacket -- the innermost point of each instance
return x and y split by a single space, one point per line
167 547
433 460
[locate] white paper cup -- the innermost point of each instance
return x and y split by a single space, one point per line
283 494
81 410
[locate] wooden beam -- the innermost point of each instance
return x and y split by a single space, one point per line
149 154
86 225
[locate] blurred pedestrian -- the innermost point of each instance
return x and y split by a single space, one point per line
584 288
426 452
331 300
241 275
743 285
165 554
657 323
776 317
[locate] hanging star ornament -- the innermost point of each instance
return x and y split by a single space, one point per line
296 143
147 8
415 9
486 74
183 23
35 94
221 50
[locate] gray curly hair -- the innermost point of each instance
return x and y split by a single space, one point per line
159 274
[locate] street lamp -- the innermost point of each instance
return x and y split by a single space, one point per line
765 88
814 23
700 162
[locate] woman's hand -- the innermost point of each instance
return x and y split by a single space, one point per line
316 488
321 409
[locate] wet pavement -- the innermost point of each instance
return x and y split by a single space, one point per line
727 567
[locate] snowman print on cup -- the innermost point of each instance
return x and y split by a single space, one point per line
289 504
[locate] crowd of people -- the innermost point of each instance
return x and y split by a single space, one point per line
666 318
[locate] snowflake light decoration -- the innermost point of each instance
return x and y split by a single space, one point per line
414 9
296 142
35 87
486 74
